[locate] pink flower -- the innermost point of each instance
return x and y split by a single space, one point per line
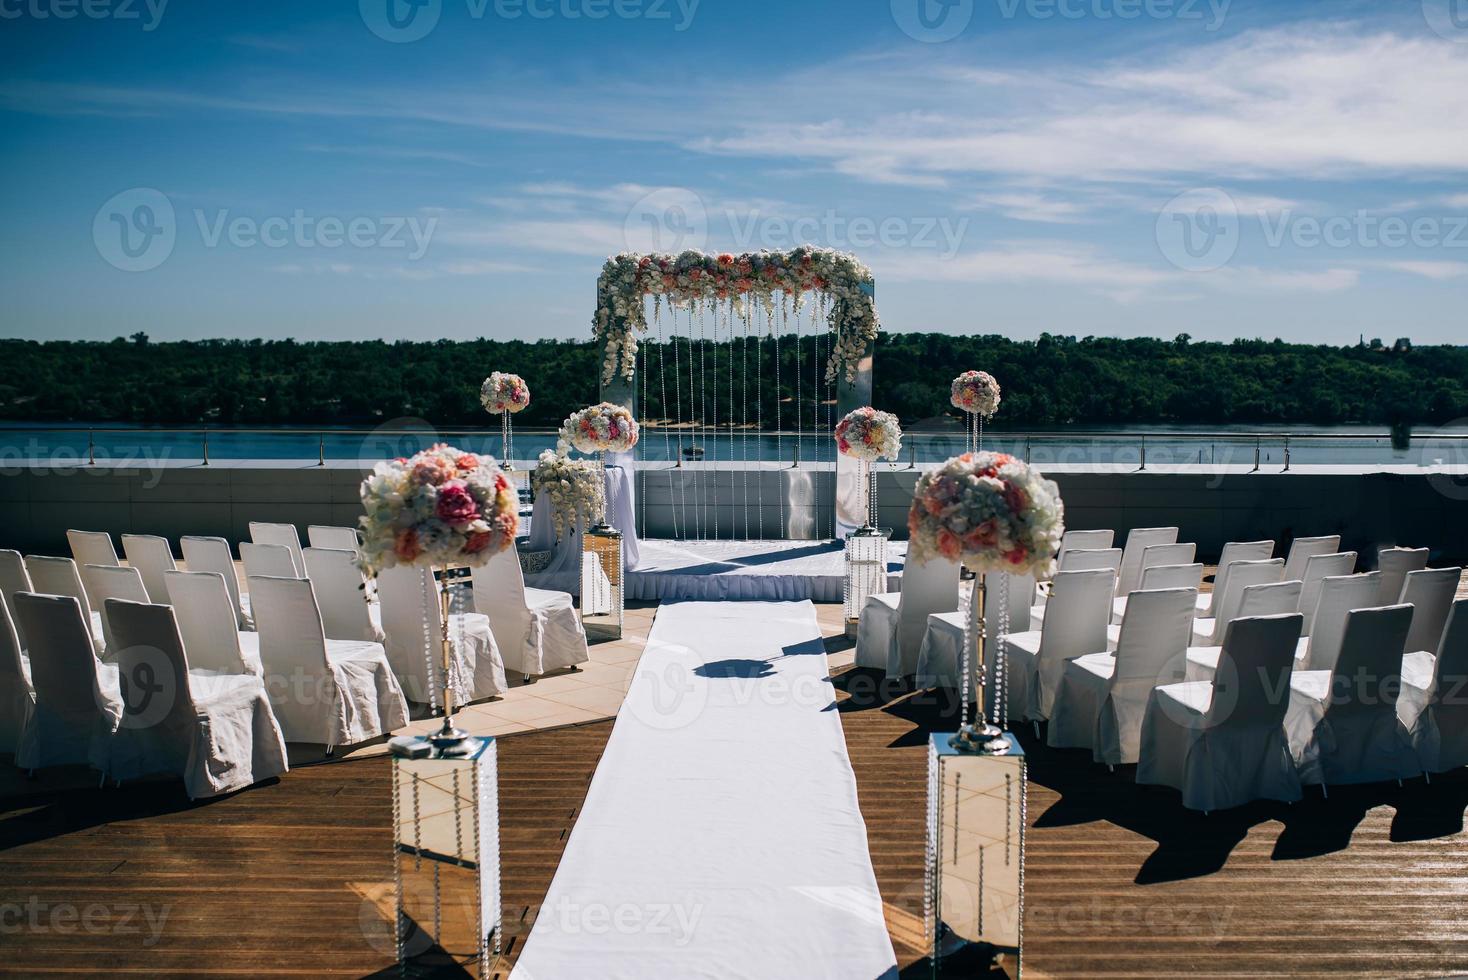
948 543
456 504
478 541
406 545
433 470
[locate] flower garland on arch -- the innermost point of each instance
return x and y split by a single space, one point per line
693 277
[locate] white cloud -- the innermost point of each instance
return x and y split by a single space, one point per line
1441 271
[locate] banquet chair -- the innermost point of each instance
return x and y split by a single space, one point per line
1339 594
77 704
1269 599
59 576
267 561
153 557
1342 723
1232 551
1173 577
1430 593
92 548
940 655
284 535
1079 608
13 578
208 554
341 591
410 602
1394 564
105 582
328 692
17 697
1077 560
1099 540
1157 554
333 538
1138 540
1433 703
214 730
1223 744
207 623
1317 570
889 634
537 630
1241 575
1301 550
1102 696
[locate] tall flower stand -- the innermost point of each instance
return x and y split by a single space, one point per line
602 582
866 557
446 856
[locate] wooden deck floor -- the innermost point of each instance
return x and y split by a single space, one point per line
293 877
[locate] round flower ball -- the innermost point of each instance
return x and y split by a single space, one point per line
976 392
868 434
989 511
504 393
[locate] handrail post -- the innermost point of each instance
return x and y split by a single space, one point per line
1287 454
1256 453
1144 453
321 450
912 454
206 447
795 464
91 447
1027 449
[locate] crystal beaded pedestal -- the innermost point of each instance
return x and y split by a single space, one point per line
446 857
976 849
602 583
865 572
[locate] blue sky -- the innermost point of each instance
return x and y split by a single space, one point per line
1109 167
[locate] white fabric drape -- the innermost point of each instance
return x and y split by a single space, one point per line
1434 699
538 630
621 514
17 699
77 707
725 804
207 621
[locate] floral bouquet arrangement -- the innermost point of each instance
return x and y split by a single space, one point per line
991 512
504 393
603 428
976 392
868 435
441 507
575 489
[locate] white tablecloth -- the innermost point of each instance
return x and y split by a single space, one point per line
621 514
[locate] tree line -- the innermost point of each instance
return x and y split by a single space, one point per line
1051 381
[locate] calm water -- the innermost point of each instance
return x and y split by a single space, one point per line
1164 446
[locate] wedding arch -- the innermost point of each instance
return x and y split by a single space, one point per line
732 330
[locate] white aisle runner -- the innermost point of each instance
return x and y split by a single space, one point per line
721 836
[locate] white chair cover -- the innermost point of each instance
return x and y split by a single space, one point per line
59 576
537 630
1097 540
622 510
1274 599
1303 549
17 699
889 635
940 656
1079 560
1138 540
1394 564
413 620
105 582
1232 551
92 548
1434 699
206 621
215 730
14 578
1223 745
1173 577
77 706
1430 593
1155 556
1317 570
1342 723
329 692
1102 697
284 535
153 557
1339 594
1241 575
205 554
1078 611
268 561
341 591
334 538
